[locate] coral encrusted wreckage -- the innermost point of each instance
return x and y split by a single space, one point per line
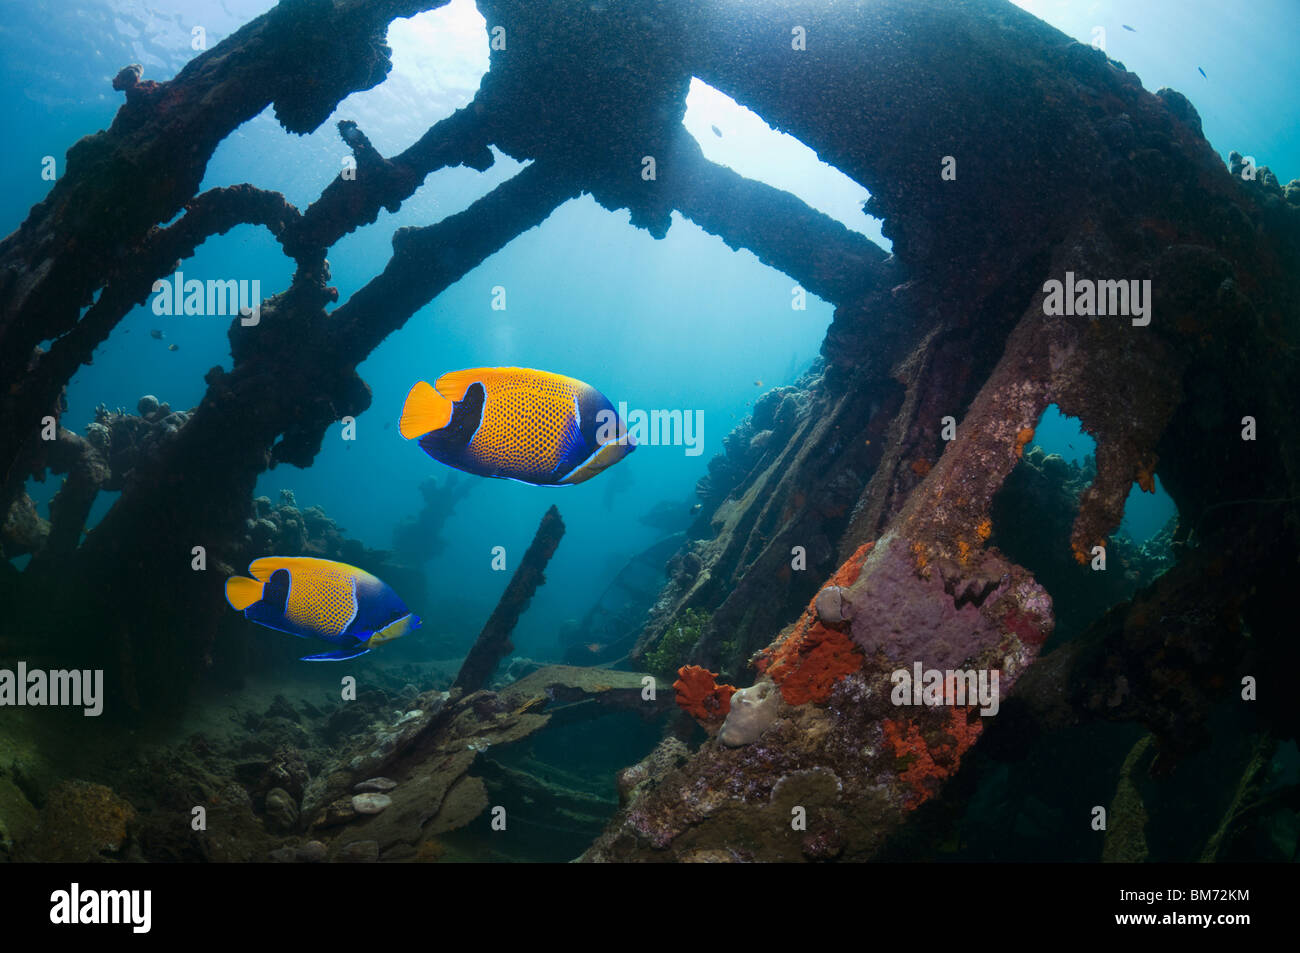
842 535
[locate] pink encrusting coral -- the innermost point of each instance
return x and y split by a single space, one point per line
944 614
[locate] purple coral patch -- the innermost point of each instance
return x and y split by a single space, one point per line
912 619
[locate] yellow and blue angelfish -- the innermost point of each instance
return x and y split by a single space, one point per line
516 423
321 599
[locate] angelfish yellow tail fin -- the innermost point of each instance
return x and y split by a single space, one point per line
242 592
425 410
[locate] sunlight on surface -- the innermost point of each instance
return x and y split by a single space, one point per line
731 135
439 59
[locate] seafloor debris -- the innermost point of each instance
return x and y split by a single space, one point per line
431 755
80 823
493 643
381 777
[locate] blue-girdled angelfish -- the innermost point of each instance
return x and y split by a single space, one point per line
516 423
321 599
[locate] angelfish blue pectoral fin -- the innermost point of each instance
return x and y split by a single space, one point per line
341 655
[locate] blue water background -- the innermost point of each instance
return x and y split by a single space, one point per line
683 323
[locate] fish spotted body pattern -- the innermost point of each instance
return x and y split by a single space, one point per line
516 423
321 599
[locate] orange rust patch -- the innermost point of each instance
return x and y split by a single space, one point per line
700 695
807 665
984 529
847 574
808 662
920 467
1025 435
963 550
928 765
918 551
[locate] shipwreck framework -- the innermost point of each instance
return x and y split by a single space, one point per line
1065 163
